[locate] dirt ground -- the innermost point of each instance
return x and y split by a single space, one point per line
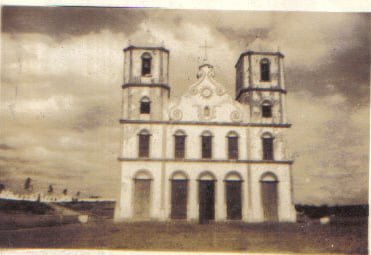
284 237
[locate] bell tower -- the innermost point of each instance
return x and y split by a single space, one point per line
146 87
260 85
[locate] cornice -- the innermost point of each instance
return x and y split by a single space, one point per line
202 123
208 160
260 89
250 52
132 47
149 85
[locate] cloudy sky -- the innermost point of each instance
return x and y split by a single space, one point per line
62 69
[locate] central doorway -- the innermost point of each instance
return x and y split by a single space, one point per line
179 191
206 187
233 190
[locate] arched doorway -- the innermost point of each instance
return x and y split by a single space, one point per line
206 197
233 190
179 191
269 196
142 195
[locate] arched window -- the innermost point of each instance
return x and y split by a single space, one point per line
144 137
179 144
267 142
232 138
145 105
265 70
206 144
146 63
266 109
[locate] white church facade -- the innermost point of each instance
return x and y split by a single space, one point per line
205 156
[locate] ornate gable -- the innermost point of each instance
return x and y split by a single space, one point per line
206 100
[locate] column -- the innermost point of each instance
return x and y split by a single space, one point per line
125 207
192 204
220 205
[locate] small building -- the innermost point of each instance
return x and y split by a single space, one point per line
205 156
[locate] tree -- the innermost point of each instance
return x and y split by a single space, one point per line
50 189
27 184
65 192
77 193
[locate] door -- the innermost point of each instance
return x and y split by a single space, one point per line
179 199
270 200
142 192
234 208
206 201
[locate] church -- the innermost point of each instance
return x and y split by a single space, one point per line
206 156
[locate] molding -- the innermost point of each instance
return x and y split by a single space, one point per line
248 89
132 47
168 122
250 52
149 85
248 161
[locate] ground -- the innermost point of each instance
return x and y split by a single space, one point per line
339 237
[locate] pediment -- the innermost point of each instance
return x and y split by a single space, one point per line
206 100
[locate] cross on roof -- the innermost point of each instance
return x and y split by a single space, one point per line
205 47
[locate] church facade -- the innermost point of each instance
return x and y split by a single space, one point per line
205 156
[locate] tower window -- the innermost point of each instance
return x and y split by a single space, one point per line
267 141
144 137
206 144
264 70
145 105
146 63
232 145
266 109
179 150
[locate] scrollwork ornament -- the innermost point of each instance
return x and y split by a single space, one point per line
235 116
206 92
177 114
220 91
194 91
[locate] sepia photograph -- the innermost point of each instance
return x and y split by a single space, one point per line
184 130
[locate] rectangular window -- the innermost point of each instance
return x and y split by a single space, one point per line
233 147
144 146
268 148
206 146
145 107
267 111
179 146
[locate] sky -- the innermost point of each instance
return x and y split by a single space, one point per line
62 71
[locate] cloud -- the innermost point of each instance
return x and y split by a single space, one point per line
66 22
331 148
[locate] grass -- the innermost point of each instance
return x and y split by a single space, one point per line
284 237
